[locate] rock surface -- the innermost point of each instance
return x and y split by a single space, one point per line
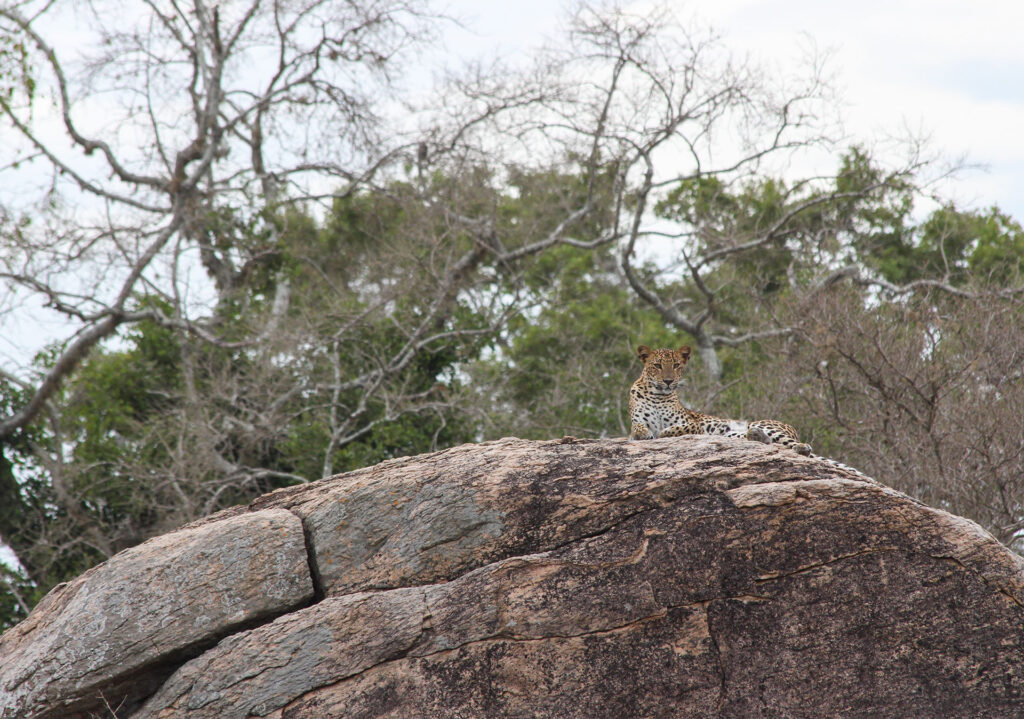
110 636
684 577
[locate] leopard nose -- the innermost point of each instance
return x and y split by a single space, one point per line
667 382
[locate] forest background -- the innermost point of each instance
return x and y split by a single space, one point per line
274 262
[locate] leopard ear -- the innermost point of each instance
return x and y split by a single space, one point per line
684 353
643 352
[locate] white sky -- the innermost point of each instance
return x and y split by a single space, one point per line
951 69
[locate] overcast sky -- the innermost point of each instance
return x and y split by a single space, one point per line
953 69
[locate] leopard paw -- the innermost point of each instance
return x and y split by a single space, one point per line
758 435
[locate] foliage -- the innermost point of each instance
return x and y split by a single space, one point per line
562 367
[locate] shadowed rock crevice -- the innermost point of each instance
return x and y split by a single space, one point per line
314 574
721 668
697 576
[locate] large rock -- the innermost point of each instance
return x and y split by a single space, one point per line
108 637
695 576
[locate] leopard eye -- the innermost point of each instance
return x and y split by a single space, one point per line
676 365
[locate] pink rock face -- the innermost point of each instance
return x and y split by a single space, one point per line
695 576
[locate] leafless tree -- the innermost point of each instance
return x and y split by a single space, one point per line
666 106
923 393
181 112
173 173
217 119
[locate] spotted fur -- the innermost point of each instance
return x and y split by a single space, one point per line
655 409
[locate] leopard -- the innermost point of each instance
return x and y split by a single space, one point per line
656 411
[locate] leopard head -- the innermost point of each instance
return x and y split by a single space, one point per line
663 368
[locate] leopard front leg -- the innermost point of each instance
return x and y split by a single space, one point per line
639 430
